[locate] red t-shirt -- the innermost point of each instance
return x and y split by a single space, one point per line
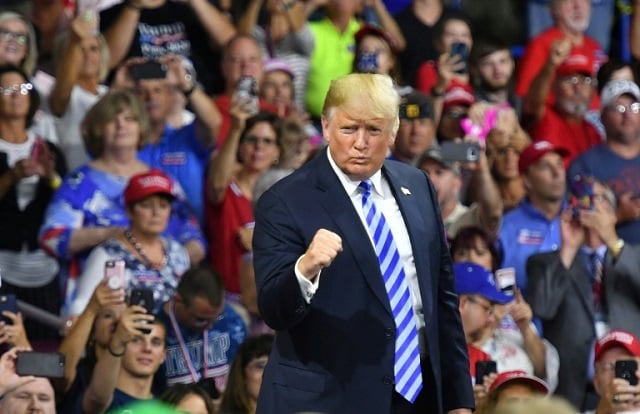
536 55
475 355
223 222
427 77
576 137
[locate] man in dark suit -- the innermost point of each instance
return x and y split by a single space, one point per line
320 283
575 307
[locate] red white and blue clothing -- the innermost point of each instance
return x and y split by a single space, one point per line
186 348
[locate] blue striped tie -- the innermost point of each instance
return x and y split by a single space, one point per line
408 377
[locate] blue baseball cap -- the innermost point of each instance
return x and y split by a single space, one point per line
473 279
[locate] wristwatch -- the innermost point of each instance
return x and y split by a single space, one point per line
616 247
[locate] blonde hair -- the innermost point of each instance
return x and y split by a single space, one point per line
353 90
62 42
537 405
106 110
30 60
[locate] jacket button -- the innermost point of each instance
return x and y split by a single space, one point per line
387 380
388 333
300 309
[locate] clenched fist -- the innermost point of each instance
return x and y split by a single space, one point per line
324 247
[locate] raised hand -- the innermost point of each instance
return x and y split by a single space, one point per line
324 247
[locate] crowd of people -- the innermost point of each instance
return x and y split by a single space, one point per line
194 193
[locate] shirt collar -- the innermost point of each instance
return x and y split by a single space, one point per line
350 185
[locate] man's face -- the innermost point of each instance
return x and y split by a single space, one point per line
476 313
446 182
199 315
545 179
243 58
572 14
495 69
358 143
605 367
414 137
574 94
33 397
145 353
156 95
620 122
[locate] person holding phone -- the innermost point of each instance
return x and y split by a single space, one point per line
125 373
617 394
30 171
591 284
90 208
512 387
150 260
453 41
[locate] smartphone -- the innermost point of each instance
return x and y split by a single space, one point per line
37 149
150 69
626 369
142 297
114 273
460 151
247 88
582 195
367 62
40 364
8 303
484 368
506 280
462 50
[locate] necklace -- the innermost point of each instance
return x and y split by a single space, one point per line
136 245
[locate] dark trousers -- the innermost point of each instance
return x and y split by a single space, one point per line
427 401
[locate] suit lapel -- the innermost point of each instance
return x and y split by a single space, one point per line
581 279
340 208
416 227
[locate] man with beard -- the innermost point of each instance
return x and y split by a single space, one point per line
570 76
617 162
492 67
571 19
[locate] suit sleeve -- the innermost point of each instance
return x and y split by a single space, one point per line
548 283
454 360
277 245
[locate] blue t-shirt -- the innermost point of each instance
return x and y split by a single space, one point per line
620 174
224 338
121 402
525 231
180 154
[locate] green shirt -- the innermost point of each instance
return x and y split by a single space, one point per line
332 57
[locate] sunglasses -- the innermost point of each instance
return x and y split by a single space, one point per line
21 88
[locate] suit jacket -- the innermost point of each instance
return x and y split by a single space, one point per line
336 354
563 299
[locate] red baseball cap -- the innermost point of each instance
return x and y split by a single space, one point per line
368 29
520 377
537 150
457 94
146 184
577 62
619 338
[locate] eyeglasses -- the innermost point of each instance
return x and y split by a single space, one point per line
579 80
488 309
20 38
253 140
634 108
21 88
